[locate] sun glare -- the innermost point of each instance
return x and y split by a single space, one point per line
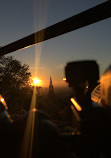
36 82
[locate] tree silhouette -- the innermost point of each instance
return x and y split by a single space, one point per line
14 80
13 74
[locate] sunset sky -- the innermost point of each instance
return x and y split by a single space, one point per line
20 18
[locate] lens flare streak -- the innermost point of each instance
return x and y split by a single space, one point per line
27 144
76 105
6 109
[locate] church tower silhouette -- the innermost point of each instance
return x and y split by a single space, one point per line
51 90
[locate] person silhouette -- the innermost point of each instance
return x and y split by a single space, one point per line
94 127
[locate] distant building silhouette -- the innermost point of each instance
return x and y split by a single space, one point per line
51 90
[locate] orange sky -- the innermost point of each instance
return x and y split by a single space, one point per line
45 83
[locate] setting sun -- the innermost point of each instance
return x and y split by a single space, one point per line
36 82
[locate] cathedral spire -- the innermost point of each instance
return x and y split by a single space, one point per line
50 81
50 86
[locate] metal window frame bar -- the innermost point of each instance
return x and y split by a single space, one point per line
90 16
